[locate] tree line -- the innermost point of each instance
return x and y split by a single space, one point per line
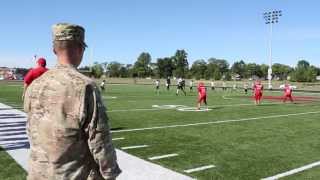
212 68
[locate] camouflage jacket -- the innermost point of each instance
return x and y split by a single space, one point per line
68 129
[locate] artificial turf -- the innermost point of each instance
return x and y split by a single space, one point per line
261 144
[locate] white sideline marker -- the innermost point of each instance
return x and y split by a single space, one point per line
199 169
293 171
215 122
163 156
134 147
116 139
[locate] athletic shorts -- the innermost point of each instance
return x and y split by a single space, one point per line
258 96
157 87
288 95
202 99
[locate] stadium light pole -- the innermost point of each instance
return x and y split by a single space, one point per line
271 18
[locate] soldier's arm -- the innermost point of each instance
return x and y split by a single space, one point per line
98 133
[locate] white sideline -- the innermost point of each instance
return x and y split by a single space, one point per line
134 147
293 171
214 122
199 169
162 156
132 167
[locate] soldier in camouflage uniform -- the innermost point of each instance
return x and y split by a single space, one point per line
67 122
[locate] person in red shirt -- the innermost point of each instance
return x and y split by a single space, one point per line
287 93
202 95
34 73
257 90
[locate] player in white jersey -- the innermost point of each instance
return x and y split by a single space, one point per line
157 83
212 85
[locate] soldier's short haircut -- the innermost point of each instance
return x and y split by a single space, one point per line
65 45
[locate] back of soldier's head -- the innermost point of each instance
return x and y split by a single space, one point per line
68 36
68 42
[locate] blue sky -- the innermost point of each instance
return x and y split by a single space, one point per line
121 29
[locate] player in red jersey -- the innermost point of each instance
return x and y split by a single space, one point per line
34 73
287 93
202 95
257 90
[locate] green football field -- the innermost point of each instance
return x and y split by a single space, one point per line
235 138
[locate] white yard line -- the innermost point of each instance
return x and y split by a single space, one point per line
116 139
215 122
233 105
162 156
202 168
127 110
226 98
157 109
293 171
134 147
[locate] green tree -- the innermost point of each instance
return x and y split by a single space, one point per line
223 67
264 71
113 69
318 71
253 69
311 74
281 71
222 64
123 72
198 69
142 65
303 64
239 67
217 75
213 71
97 70
181 64
165 67
304 72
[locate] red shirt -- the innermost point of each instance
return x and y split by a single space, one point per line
34 74
202 90
287 90
258 88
